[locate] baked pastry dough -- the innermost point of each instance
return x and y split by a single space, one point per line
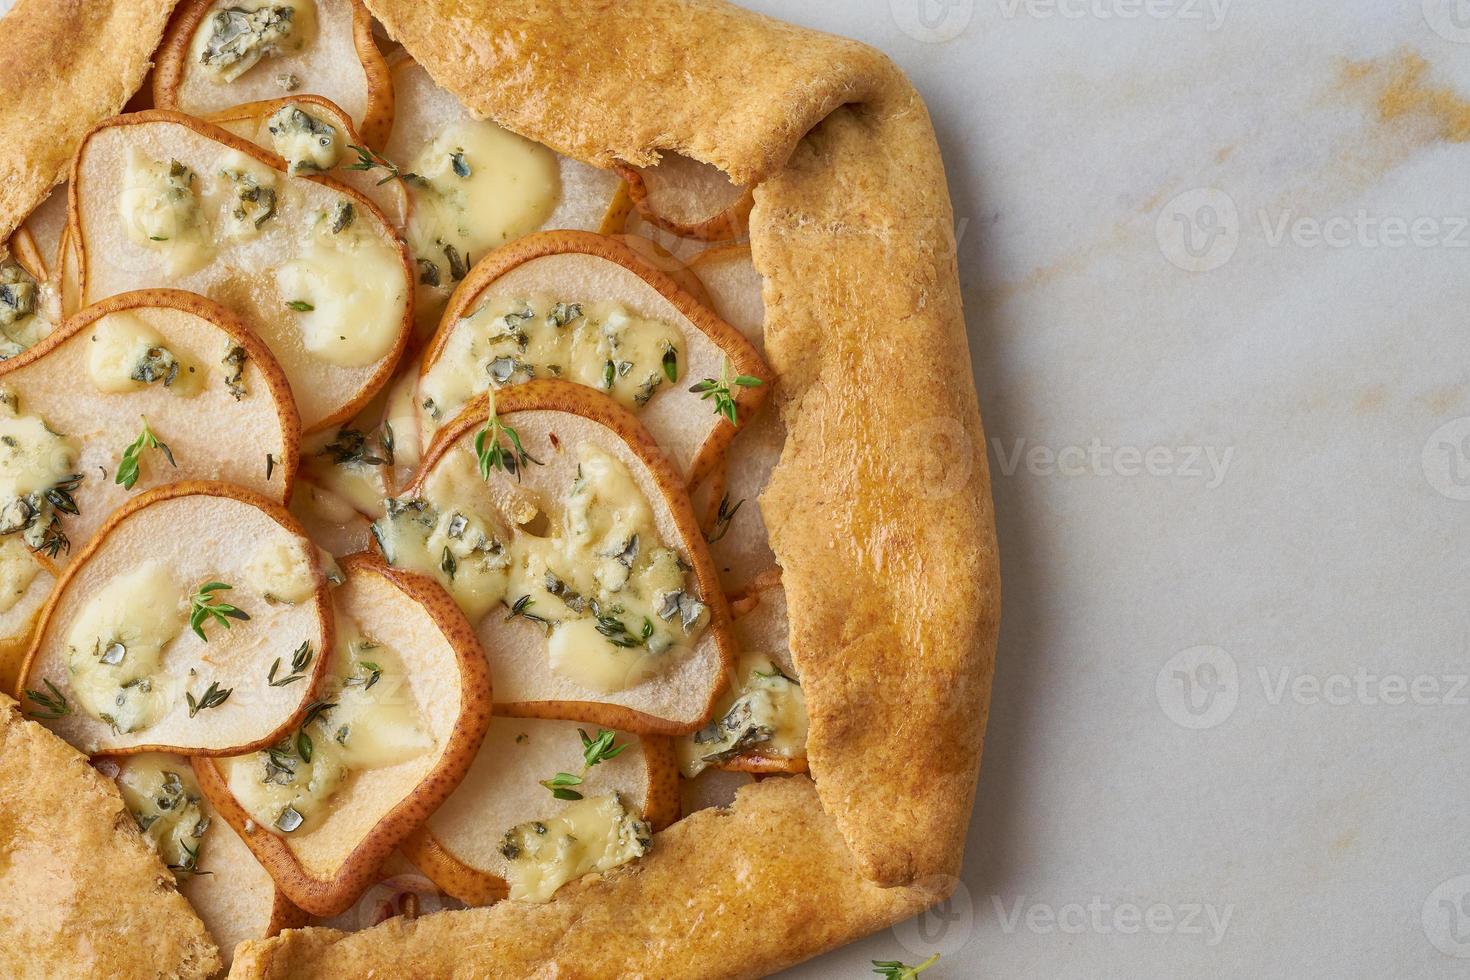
877 513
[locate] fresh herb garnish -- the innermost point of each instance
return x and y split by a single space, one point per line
671 363
52 706
300 660
203 606
373 673
894 970
594 751
494 456
719 390
189 863
619 635
368 160
723 518
127 469
519 608
300 305
213 697
352 446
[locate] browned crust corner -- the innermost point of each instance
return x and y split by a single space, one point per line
88 871
796 893
63 67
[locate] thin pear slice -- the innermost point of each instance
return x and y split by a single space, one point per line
158 199
690 199
635 687
334 853
228 888
459 846
46 225
30 306
328 51
729 502
227 408
119 618
28 581
571 194
713 788
329 520
735 288
253 121
571 267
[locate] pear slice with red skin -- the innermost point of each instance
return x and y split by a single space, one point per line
583 267
341 63
199 532
211 434
689 199
251 121
734 287
46 224
237 275
326 869
552 419
458 847
233 895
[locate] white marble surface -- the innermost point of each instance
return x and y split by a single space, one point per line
1309 818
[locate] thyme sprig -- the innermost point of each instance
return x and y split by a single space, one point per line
127 468
204 605
495 456
723 518
52 706
894 970
594 752
368 160
719 390
300 660
213 697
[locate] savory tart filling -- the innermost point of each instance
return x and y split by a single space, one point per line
617 603
506 341
350 466
161 210
20 297
345 288
307 143
249 190
126 354
114 650
283 571
164 799
37 478
236 36
475 187
594 834
366 718
765 714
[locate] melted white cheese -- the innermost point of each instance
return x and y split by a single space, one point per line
617 603
595 834
161 793
114 649
236 35
307 142
482 186
126 354
601 345
283 570
765 713
160 210
347 288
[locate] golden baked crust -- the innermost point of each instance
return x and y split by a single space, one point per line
733 893
63 67
81 893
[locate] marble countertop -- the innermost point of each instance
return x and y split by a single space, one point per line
1213 255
